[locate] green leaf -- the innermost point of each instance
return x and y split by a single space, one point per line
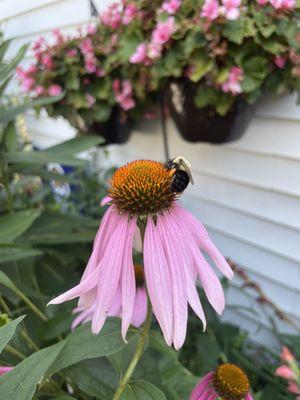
10 137
12 252
6 281
142 390
41 158
76 145
3 48
82 344
72 80
96 377
237 31
202 64
7 331
6 69
8 114
13 225
21 382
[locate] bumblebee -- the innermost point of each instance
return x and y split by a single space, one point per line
182 175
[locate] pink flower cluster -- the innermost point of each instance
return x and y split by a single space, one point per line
232 83
170 6
87 50
147 52
230 9
281 5
114 16
289 371
124 94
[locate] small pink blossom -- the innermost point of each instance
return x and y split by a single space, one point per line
170 6
163 31
232 84
90 99
38 44
47 61
38 90
91 29
32 69
27 84
139 55
54 90
284 5
230 9
210 10
100 72
58 36
86 81
154 50
86 47
112 16
72 53
286 355
21 73
5 370
280 61
130 12
294 388
285 372
90 65
123 94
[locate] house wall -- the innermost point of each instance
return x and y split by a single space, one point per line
247 192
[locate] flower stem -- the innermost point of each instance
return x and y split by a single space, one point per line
137 355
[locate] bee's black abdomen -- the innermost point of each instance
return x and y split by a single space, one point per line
180 181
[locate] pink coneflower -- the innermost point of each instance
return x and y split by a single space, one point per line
139 313
142 202
5 370
227 381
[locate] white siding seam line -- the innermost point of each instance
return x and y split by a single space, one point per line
61 27
243 212
252 243
267 116
246 183
261 153
32 9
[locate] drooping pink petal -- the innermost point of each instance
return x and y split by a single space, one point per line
187 261
128 280
109 272
116 307
210 282
158 280
202 238
178 280
201 386
88 284
82 317
140 307
249 397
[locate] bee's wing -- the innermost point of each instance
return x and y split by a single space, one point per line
187 170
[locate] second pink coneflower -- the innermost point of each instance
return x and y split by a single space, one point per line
142 202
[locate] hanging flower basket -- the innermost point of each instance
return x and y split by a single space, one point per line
116 130
205 124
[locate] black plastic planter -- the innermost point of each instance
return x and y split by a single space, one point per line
204 124
116 130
